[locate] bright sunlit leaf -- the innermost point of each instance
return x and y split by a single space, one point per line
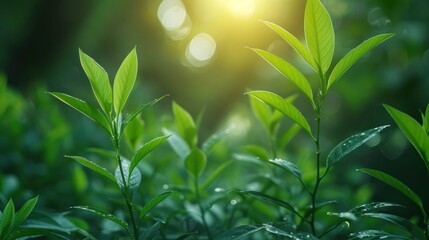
124 81
355 54
319 33
288 71
283 106
99 81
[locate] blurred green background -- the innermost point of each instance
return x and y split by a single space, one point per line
194 50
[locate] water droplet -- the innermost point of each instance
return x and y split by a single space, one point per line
233 202
165 187
218 189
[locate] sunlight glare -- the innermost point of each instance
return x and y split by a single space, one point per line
241 8
201 49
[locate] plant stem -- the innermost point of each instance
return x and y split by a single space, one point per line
203 214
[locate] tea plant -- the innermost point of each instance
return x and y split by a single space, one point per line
318 53
127 176
10 221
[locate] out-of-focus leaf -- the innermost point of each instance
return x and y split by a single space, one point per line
399 221
261 111
133 179
289 232
295 44
351 57
396 184
319 33
237 233
99 80
104 215
288 135
153 203
185 125
257 151
270 200
374 234
150 233
214 174
288 166
426 120
195 162
350 144
214 140
91 112
24 212
91 165
283 106
146 149
179 145
288 71
124 81
413 131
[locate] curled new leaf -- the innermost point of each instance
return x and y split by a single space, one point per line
350 144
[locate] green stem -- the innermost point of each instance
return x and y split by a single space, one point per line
126 191
202 211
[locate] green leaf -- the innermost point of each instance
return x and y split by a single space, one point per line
99 80
104 215
288 71
355 54
372 207
398 221
288 166
84 108
179 145
257 151
91 165
214 174
426 120
319 33
138 111
7 219
146 149
150 232
124 81
133 133
195 162
295 44
214 140
237 233
283 106
386 178
414 132
133 180
350 144
288 231
271 200
24 212
262 112
288 135
153 203
185 125
374 234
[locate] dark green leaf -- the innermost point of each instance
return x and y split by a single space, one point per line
396 184
288 232
153 203
99 81
124 81
413 130
195 162
283 106
91 165
104 215
179 145
84 108
146 149
288 166
288 71
237 233
185 125
374 235
426 120
319 33
151 232
350 144
295 44
133 179
7 219
350 58
24 212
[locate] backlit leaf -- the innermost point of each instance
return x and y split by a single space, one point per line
319 33
386 178
195 162
93 166
124 81
99 80
237 233
179 145
146 149
350 144
104 215
185 125
288 71
283 106
84 108
295 44
413 131
153 203
351 57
